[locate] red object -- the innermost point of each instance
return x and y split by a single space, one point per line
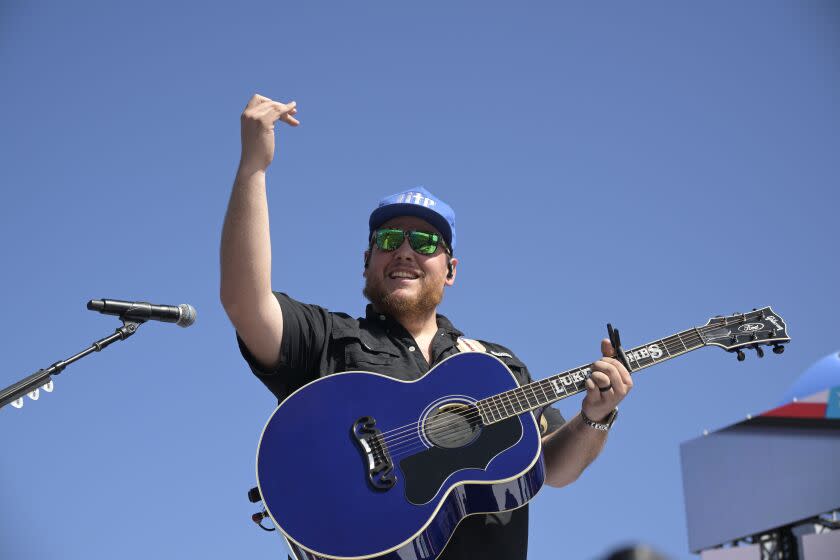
798 410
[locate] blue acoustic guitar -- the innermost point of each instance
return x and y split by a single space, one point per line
358 465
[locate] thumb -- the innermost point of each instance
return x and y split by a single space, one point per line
607 349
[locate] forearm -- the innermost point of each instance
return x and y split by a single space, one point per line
569 450
246 245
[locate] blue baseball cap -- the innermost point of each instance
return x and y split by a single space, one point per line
417 202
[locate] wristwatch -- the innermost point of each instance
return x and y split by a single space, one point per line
603 426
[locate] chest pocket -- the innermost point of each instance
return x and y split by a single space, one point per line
361 351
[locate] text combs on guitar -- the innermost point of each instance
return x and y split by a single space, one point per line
734 333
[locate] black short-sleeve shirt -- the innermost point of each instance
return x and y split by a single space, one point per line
317 342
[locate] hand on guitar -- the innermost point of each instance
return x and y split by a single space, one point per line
609 384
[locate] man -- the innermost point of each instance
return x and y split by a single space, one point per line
408 264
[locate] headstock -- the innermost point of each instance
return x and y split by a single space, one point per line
759 327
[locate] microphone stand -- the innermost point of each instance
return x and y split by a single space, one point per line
42 376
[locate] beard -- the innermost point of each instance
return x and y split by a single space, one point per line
425 302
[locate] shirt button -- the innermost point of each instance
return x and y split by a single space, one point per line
382 317
411 348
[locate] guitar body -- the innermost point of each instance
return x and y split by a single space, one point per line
360 465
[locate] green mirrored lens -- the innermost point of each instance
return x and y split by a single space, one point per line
422 242
389 239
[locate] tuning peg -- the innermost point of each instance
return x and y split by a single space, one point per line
778 349
741 355
758 350
18 403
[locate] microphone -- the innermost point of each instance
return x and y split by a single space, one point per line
182 315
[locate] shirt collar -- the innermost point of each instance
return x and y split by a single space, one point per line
385 320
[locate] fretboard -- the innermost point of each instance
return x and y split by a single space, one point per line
571 382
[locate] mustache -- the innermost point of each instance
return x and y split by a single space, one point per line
385 301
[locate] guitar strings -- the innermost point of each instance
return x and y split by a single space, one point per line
412 444
442 427
410 441
407 434
397 438
509 394
402 438
670 343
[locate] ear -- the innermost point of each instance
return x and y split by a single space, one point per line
453 264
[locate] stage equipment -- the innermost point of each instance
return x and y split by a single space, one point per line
131 319
182 315
755 488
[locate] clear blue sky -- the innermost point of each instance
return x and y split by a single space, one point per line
650 164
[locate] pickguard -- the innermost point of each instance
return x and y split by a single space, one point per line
425 472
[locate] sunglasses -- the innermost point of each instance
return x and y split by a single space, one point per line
423 242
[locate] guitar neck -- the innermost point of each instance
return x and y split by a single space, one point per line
571 382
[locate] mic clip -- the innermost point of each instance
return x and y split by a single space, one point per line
128 328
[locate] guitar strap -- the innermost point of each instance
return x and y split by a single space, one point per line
470 345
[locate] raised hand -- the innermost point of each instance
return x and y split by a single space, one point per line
258 120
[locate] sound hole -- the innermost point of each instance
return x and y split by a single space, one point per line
452 425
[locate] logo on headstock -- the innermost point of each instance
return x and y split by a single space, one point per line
751 327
